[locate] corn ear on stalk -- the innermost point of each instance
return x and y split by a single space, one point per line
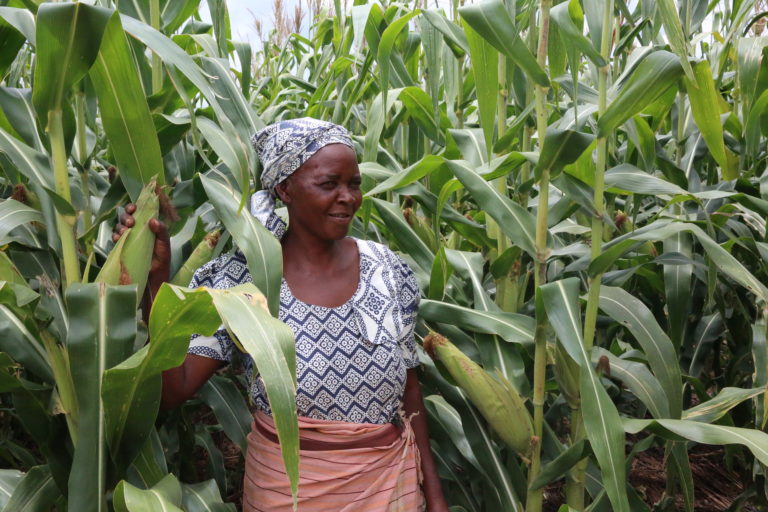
567 376
200 255
497 400
422 228
130 259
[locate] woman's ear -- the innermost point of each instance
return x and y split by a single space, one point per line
282 191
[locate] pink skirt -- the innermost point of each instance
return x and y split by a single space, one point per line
344 467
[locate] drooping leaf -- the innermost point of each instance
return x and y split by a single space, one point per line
492 22
649 81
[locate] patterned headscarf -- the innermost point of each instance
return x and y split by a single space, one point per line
283 147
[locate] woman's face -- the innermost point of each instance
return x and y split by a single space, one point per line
323 195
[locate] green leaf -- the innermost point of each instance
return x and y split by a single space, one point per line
660 230
423 167
232 150
22 20
19 338
124 112
485 65
261 249
630 178
755 118
221 395
638 379
719 405
406 238
204 497
68 40
561 147
9 479
601 418
512 327
706 112
267 340
165 496
755 440
16 105
516 222
492 22
35 492
386 45
14 214
454 37
131 390
655 74
674 30
560 466
563 14
638 319
420 108
101 334
33 164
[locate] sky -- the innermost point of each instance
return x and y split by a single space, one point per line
242 14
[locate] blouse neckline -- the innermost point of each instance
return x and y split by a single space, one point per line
350 300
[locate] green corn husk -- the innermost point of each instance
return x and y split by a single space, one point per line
497 400
130 259
422 228
567 376
200 255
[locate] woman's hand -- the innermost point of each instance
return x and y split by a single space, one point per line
160 269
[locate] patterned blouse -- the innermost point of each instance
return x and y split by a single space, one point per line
351 360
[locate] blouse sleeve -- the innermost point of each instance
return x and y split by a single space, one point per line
220 345
409 296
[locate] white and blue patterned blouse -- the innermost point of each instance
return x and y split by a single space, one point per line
351 360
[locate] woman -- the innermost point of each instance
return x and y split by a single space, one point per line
352 307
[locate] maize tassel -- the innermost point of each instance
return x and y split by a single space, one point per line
497 400
130 259
200 255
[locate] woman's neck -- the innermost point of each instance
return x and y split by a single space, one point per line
308 251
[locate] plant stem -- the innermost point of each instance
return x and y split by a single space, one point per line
157 64
81 150
534 498
65 224
575 486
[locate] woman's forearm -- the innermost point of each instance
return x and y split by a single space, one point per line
413 404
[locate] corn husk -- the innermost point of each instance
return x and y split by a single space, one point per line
496 399
130 259
200 255
567 376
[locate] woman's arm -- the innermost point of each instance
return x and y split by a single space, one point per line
182 382
413 403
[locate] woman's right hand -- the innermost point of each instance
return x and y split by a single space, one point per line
160 269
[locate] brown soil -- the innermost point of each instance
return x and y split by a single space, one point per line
715 487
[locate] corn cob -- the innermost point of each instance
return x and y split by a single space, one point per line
130 259
200 255
497 400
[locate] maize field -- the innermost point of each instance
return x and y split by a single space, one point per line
581 187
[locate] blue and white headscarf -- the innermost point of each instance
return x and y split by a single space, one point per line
283 147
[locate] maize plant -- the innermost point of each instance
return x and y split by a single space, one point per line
580 186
